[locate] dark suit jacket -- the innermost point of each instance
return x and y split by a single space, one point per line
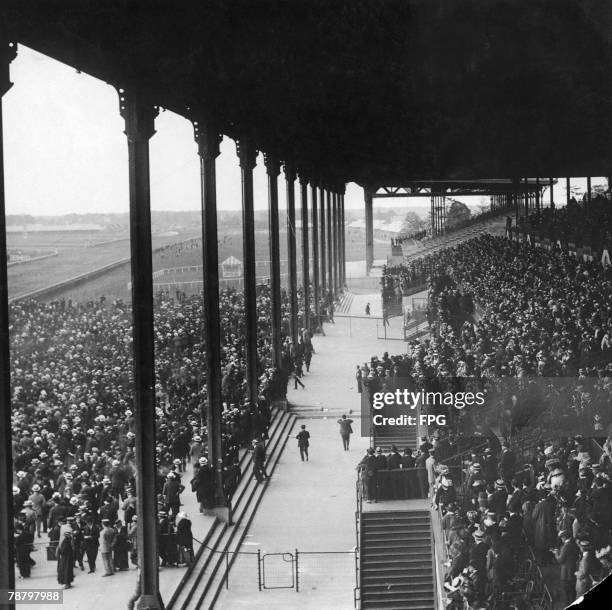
567 557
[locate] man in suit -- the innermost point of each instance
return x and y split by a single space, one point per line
380 476
567 557
395 482
107 540
422 472
498 499
507 463
91 542
366 468
172 493
303 443
345 431
259 461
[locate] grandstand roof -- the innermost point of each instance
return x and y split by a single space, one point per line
372 91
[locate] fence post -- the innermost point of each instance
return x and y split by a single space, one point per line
226 570
259 569
297 572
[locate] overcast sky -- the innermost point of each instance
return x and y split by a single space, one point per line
65 150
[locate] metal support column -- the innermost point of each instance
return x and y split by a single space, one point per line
567 187
552 197
291 250
336 259
343 238
323 244
515 197
208 139
273 170
369 231
305 250
330 245
589 190
139 117
315 252
8 52
432 214
338 244
247 154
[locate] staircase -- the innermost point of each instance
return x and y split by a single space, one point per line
397 571
345 302
400 436
202 584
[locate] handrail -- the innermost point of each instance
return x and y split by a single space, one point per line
465 451
440 555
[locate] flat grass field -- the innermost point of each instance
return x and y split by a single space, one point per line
77 256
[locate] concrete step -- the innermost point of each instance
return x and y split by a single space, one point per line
392 514
417 568
391 600
401 578
206 557
384 589
234 536
396 560
399 535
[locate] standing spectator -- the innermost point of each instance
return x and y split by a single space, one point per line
172 494
184 539
346 429
430 467
303 437
133 540
91 543
107 540
589 568
203 484
120 547
23 547
567 557
65 561
38 502
259 461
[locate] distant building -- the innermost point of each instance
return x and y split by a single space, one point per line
231 267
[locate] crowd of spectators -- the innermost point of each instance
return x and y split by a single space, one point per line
541 346
74 428
554 509
588 223
505 512
456 226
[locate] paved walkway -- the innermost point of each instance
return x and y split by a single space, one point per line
310 506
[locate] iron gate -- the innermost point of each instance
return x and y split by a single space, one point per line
278 571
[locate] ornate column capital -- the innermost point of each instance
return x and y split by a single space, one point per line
139 115
247 153
207 137
8 53
290 171
272 165
303 175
